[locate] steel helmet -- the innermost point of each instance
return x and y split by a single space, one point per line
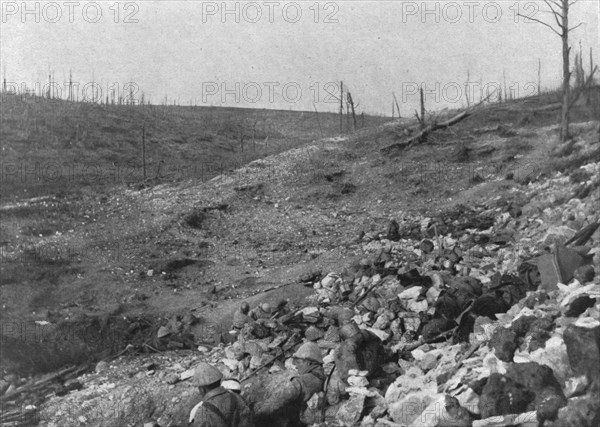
309 351
232 385
206 374
349 330
244 307
266 307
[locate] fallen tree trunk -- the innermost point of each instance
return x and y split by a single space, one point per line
63 375
549 107
423 134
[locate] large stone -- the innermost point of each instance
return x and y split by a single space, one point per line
504 343
576 386
411 408
332 334
559 267
579 305
430 360
412 381
232 364
351 410
583 348
356 381
536 377
553 355
501 395
557 234
527 419
583 411
435 327
382 335
540 380
313 333
410 293
427 360
436 415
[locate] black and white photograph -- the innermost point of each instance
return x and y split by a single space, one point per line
346 213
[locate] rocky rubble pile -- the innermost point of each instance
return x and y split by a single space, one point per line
487 315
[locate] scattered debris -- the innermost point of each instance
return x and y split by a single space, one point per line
486 315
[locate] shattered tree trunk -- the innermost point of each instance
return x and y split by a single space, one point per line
341 107
564 123
144 150
423 134
351 102
397 105
422 109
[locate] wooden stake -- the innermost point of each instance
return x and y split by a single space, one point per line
144 151
351 102
467 88
422 109
341 106
540 80
397 105
506 93
318 120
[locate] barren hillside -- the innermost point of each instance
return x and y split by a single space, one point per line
122 260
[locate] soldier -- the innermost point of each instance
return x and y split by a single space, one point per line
359 349
241 317
218 407
262 312
284 407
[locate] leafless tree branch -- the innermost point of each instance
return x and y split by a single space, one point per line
576 26
549 3
556 13
541 22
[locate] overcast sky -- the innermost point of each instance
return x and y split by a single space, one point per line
288 54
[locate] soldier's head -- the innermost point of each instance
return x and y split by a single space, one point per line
245 307
206 377
349 330
266 307
308 354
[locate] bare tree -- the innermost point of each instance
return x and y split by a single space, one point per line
560 11
352 106
397 105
